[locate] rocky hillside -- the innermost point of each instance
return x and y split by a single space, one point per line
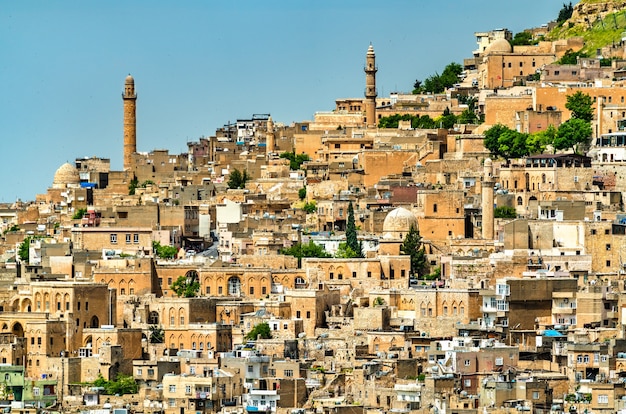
602 24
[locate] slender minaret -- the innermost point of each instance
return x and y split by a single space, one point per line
130 121
370 87
269 137
487 196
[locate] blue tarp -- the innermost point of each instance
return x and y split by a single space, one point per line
552 332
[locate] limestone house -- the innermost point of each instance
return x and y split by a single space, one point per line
426 310
112 241
280 328
199 392
132 276
51 317
310 305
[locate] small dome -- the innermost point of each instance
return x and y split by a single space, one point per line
130 80
370 50
398 223
66 175
488 162
499 46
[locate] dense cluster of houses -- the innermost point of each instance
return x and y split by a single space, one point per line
524 313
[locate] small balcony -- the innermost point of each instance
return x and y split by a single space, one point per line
612 314
563 310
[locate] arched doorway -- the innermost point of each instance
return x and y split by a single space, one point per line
18 330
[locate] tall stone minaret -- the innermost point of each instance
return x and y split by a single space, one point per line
269 137
487 196
370 87
130 121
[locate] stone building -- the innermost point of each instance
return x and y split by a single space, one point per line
51 317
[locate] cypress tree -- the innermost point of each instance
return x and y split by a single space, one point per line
351 238
413 246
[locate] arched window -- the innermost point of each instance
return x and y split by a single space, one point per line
519 201
192 276
234 286
153 318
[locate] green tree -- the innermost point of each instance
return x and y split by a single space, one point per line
572 134
504 212
450 74
580 105
295 160
164 252
237 179
433 84
467 117
157 334
522 39
15 228
446 120
423 122
352 240
133 186
261 330
606 62
417 122
417 87
565 13
570 57
310 208
504 142
438 83
300 250
539 141
78 214
513 144
435 275
23 250
345 252
123 384
492 139
414 247
186 287
302 193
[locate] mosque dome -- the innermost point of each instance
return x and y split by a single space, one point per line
398 223
66 176
499 46
130 80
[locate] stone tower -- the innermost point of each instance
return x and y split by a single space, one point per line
130 122
269 137
370 87
487 200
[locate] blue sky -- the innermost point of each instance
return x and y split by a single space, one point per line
199 64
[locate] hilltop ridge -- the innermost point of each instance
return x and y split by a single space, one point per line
601 24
